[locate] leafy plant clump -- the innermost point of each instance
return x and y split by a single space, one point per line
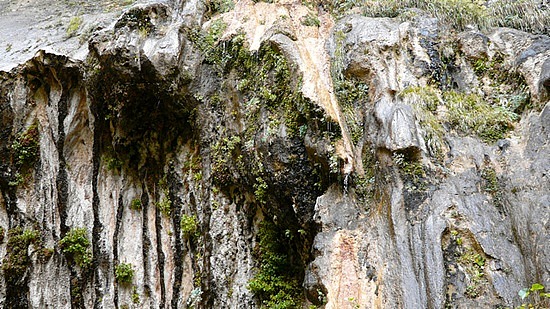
124 273
26 146
135 204
76 245
26 149
164 204
537 296
275 284
135 296
189 226
311 20
219 6
473 264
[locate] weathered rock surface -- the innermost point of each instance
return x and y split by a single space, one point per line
176 136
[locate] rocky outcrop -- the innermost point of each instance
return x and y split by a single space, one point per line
266 154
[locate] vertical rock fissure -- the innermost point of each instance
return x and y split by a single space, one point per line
10 199
146 240
96 230
208 300
160 255
120 209
176 217
63 188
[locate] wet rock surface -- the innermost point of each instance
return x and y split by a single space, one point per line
352 163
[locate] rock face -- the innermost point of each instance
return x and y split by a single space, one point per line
193 155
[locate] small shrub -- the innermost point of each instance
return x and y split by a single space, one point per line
45 254
197 176
76 244
260 190
311 20
16 180
26 147
491 180
164 205
135 295
537 296
135 204
189 226
17 260
410 167
220 6
113 163
74 24
124 273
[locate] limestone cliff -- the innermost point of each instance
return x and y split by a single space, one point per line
240 154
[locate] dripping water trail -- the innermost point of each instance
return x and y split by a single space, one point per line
160 254
120 209
346 183
76 283
96 230
178 256
146 240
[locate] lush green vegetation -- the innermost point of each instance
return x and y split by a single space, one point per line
525 15
467 113
26 146
164 204
425 102
26 150
219 6
124 273
17 260
269 101
276 283
352 94
409 165
471 114
76 245
473 264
